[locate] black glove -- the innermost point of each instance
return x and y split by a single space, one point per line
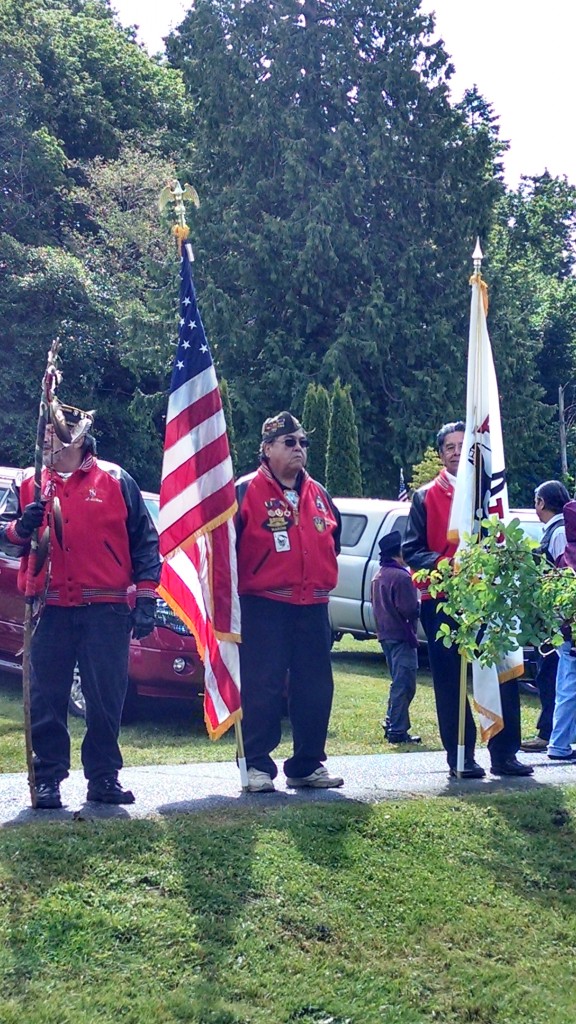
143 617
30 520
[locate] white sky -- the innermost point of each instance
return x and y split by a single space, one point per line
520 55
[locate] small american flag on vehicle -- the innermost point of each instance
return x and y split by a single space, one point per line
197 506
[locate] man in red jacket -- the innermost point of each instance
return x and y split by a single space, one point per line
102 541
425 544
288 537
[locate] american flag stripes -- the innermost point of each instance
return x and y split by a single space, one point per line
197 505
402 490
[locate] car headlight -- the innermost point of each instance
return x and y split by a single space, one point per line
164 616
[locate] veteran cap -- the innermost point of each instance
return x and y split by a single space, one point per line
69 422
282 423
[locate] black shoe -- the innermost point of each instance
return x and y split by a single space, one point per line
108 790
512 766
472 770
402 737
47 795
563 757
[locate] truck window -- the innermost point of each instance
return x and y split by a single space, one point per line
4 489
352 529
398 521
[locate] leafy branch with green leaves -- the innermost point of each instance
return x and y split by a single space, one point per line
501 595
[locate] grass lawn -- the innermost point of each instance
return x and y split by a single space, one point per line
170 733
451 910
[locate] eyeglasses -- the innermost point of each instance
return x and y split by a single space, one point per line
291 442
451 449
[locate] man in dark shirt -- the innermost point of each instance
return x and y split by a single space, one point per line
550 498
426 543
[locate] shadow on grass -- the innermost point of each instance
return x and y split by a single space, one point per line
533 843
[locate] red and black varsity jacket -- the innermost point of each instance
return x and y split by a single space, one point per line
108 540
286 553
426 540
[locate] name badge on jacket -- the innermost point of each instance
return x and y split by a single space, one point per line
281 540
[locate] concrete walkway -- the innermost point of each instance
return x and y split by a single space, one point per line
189 788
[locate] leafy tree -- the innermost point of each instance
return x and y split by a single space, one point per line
530 259
316 420
500 597
427 469
72 84
83 255
73 302
131 252
343 472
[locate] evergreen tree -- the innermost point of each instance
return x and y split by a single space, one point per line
316 420
227 410
308 409
308 418
343 471
322 428
345 195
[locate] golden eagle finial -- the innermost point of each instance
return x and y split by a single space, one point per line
174 193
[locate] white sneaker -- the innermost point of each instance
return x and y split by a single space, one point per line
259 782
319 779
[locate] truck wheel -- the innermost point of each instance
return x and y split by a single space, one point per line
76 703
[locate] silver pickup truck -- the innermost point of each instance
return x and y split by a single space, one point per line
364 521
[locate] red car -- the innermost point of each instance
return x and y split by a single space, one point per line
164 664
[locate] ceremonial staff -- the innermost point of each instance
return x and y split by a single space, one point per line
48 412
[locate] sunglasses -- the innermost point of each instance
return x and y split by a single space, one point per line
291 442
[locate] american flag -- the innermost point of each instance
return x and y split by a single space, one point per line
402 492
197 506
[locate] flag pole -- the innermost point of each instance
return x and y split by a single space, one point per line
460 753
477 257
212 641
240 755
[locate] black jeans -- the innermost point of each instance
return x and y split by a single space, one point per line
96 636
277 639
445 665
546 683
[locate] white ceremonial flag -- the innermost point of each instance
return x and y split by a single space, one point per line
481 490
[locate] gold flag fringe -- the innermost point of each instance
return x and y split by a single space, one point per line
180 232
